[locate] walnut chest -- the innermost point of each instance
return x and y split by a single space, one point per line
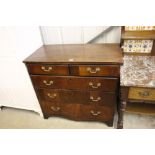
78 82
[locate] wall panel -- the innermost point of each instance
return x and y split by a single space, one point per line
51 35
78 35
71 35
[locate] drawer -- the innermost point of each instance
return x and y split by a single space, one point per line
81 97
44 81
96 70
79 112
49 108
48 69
141 94
96 113
85 83
94 83
71 111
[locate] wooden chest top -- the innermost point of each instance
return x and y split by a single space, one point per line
77 53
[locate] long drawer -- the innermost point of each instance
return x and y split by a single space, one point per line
95 70
81 97
79 112
136 93
69 82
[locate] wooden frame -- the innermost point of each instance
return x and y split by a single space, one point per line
147 107
138 35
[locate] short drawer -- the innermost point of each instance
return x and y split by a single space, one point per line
44 81
80 83
79 111
48 69
96 70
82 97
141 94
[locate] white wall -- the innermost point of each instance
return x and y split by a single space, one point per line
78 35
16 43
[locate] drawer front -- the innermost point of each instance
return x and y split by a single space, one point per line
93 83
79 112
85 83
141 94
96 70
49 108
48 69
44 81
81 97
68 110
97 113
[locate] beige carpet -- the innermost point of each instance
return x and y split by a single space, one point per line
16 118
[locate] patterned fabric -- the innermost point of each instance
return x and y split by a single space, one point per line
138 71
139 28
137 46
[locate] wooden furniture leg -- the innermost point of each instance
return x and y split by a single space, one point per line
121 115
1 107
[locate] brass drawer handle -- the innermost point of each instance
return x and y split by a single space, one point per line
95 113
92 85
95 100
48 83
46 69
144 94
51 95
55 108
93 71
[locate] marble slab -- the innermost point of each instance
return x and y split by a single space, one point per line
138 71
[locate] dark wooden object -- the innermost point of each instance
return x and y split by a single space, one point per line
79 82
136 99
141 103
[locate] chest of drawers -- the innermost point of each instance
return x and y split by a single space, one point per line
78 82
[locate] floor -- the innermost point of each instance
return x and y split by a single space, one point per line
19 119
